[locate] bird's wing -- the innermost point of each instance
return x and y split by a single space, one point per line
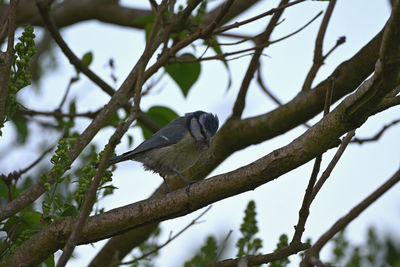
168 135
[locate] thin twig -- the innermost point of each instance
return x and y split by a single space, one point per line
62 102
305 206
264 38
318 58
325 175
377 136
268 13
223 245
15 175
170 239
58 114
44 7
297 31
219 56
351 215
340 41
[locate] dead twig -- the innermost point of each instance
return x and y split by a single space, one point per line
144 256
377 136
318 58
305 207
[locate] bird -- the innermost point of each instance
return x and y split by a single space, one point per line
175 147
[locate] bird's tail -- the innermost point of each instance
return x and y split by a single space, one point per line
115 159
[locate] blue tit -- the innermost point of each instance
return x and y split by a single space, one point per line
175 147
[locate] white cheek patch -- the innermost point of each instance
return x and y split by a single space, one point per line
195 130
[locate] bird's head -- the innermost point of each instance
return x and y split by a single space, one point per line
202 126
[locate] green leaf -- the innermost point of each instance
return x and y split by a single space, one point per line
32 218
161 116
87 58
69 210
21 125
185 74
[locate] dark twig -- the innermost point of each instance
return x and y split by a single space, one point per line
305 206
223 245
57 114
318 58
62 102
15 175
265 89
377 136
350 216
6 59
44 8
268 92
219 56
144 256
268 13
340 41
297 31
264 38
325 175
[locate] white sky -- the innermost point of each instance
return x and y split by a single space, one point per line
361 170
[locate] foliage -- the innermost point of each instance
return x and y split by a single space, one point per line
19 78
248 244
374 252
206 255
